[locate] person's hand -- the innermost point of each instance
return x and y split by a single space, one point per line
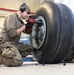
28 28
30 23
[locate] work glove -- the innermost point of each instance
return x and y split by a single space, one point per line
30 23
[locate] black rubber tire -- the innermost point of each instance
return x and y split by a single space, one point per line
59 34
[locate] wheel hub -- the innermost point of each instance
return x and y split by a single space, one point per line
39 33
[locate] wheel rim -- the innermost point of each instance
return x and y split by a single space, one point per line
39 33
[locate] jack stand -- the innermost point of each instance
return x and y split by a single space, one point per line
36 64
64 64
43 64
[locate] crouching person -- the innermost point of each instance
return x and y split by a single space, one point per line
11 51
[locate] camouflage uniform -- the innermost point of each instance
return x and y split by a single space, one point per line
11 51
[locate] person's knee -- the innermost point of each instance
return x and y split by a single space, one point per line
18 62
11 62
8 52
11 57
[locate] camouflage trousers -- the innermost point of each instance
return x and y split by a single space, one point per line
11 53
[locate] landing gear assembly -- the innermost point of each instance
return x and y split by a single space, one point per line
53 39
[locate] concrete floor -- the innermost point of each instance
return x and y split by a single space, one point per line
30 68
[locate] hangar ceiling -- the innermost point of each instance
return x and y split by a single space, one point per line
14 4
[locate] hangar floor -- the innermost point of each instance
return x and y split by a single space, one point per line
30 68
